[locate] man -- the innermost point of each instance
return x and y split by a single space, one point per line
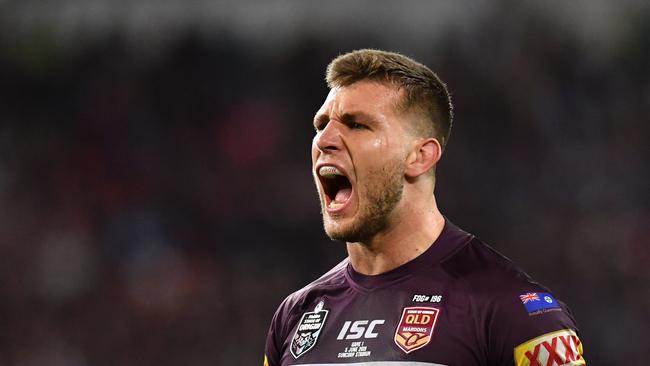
415 289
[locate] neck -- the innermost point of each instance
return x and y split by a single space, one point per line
411 231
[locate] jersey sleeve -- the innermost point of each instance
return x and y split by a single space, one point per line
529 327
281 323
273 346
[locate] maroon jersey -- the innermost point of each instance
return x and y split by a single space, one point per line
458 303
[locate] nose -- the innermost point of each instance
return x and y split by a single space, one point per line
329 138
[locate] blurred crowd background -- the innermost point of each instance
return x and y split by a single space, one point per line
156 201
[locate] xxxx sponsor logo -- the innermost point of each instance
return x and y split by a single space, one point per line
415 327
557 348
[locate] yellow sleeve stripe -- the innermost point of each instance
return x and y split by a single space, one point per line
562 347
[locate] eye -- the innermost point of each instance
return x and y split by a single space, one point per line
357 126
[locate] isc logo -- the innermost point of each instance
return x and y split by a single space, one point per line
359 329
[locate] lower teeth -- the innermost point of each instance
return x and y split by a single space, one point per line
335 204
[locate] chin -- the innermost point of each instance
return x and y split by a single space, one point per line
337 231
350 232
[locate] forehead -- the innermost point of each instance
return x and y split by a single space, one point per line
366 96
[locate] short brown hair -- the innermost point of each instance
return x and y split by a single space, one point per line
424 89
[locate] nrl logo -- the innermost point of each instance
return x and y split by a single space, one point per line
308 330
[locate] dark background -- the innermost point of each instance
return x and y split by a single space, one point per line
156 202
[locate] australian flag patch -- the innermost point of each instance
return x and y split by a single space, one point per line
539 302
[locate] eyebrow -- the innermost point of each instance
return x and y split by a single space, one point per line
345 118
320 119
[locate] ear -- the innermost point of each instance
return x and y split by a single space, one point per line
425 154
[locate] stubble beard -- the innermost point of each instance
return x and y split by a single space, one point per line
383 191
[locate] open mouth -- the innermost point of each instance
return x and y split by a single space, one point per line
336 186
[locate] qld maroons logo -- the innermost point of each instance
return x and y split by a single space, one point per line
308 330
415 327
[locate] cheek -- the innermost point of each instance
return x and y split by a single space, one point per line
379 145
383 156
371 157
379 148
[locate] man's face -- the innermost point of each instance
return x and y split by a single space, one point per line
358 159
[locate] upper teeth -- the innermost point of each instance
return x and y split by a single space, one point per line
329 171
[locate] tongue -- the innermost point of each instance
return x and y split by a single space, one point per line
343 195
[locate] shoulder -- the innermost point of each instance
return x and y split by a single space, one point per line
492 280
515 313
291 309
484 270
299 301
